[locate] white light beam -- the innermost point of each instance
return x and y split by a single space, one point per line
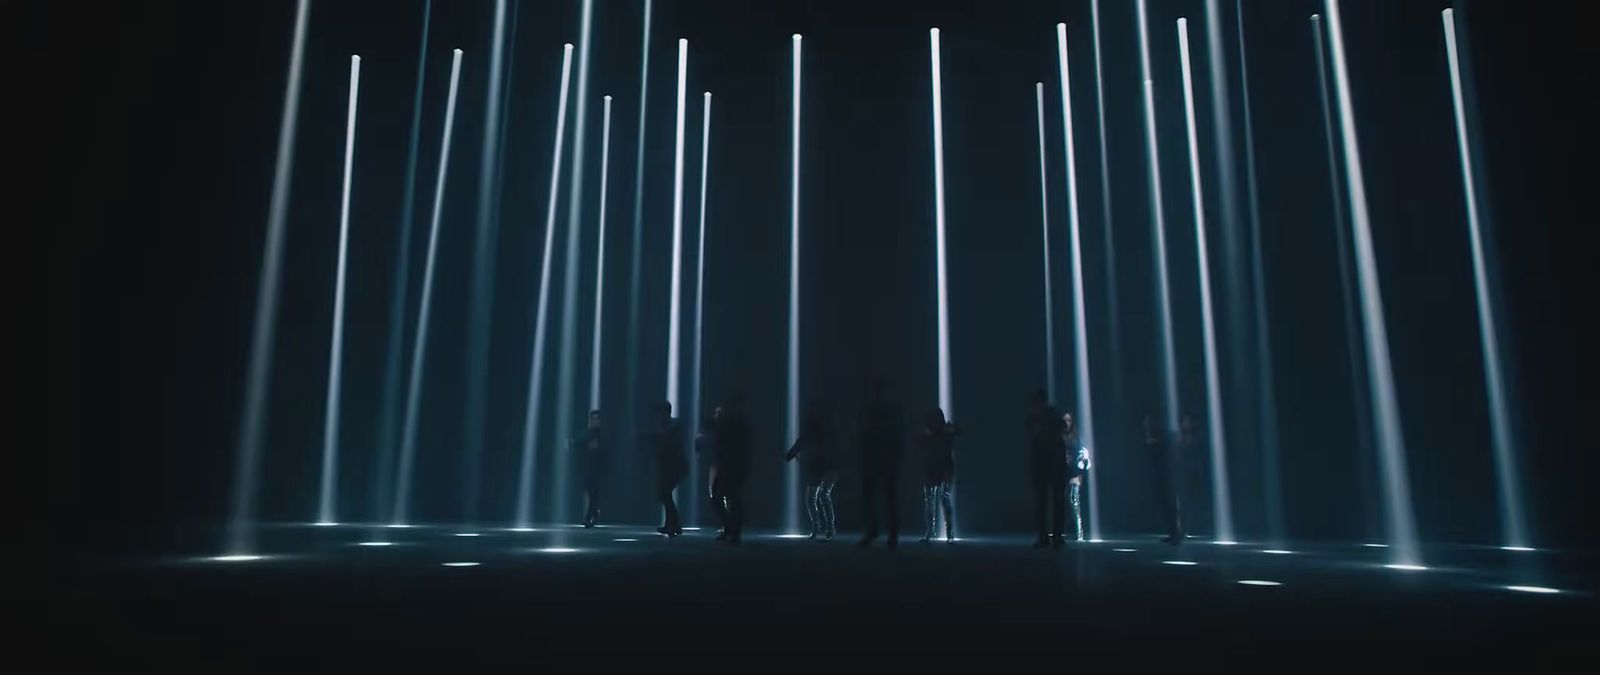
791 498
1044 226
600 257
676 302
567 371
1080 323
330 427
699 303
1158 230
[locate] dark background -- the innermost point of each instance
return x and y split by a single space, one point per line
176 106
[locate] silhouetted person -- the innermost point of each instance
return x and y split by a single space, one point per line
594 464
665 440
818 467
936 439
1047 464
880 437
1164 472
729 442
1078 469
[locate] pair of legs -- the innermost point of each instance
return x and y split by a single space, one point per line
665 486
1074 495
727 500
1049 503
819 505
591 492
1166 486
936 495
871 486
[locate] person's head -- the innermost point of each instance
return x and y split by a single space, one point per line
664 411
717 413
594 419
1067 429
1038 400
936 418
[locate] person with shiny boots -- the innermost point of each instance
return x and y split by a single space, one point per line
1078 470
815 449
1047 463
937 440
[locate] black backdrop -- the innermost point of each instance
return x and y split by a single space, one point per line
174 107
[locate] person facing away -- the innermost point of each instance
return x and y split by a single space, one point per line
818 468
1047 464
1163 471
730 462
594 464
937 440
1078 470
665 440
880 437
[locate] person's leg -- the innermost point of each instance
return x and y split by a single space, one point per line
1041 506
1058 503
891 489
1074 493
930 512
736 509
813 497
591 490
826 506
948 501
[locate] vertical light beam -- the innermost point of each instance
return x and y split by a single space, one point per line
791 429
1266 391
400 514
1113 313
330 426
699 305
945 402
393 366
481 308
566 378
1402 528
1080 324
1158 230
1221 499
676 302
1348 293
530 419
1044 226
631 355
600 257
241 522
1514 528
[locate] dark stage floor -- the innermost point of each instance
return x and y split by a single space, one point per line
627 589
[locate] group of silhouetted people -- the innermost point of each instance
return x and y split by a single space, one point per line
1058 467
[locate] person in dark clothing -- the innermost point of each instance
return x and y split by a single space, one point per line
1047 463
937 438
1078 470
1164 471
729 442
818 468
665 440
880 437
594 464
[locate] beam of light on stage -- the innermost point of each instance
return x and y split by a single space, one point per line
1044 227
400 513
1221 499
676 299
241 540
600 257
1402 528
530 420
1158 231
328 494
480 310
567 371
1108 239
791 428
1084 407
636 249
1512 523
946 403
1266 390
1348 294
393 367
699 304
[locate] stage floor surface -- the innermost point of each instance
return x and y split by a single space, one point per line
319 592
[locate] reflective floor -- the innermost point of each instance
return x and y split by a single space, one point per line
378 595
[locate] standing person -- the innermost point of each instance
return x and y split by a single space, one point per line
880 436
818 467
665 440
1047 463
937 438
595 464
730 463
1078 469
1164 471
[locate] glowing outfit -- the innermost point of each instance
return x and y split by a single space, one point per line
937 441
